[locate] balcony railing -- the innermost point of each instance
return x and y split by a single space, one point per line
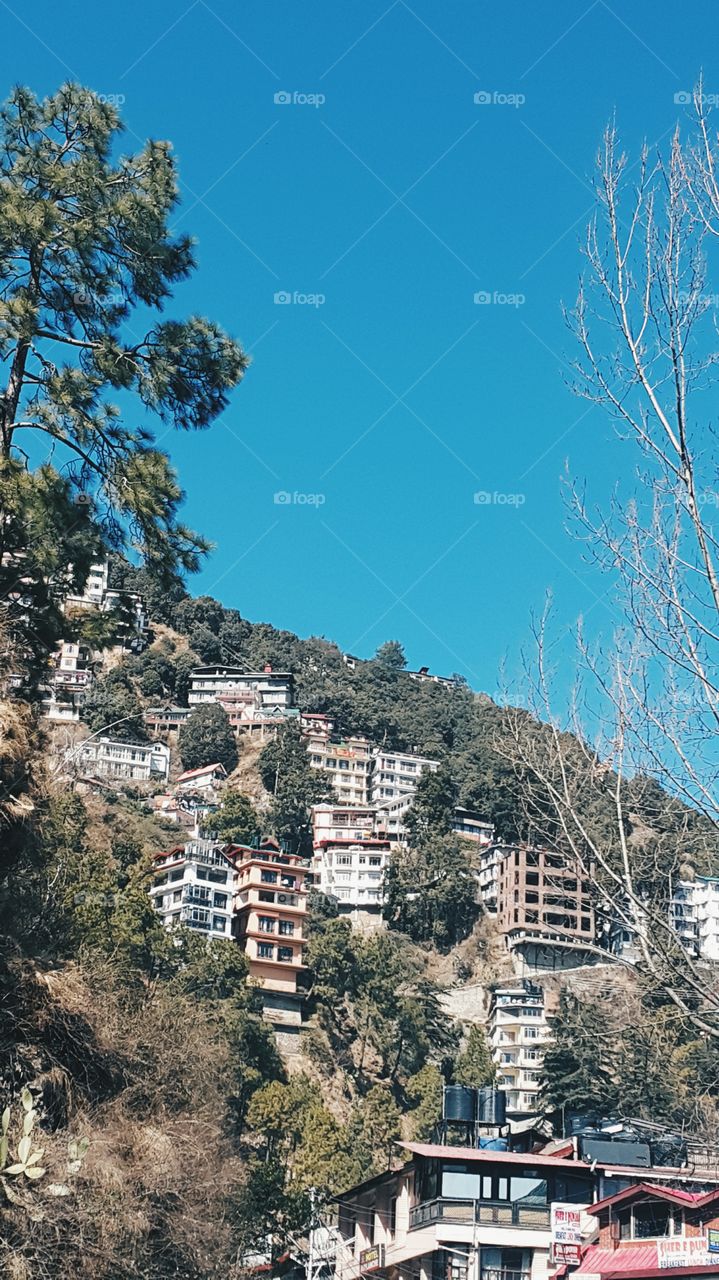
501 1273
497 1213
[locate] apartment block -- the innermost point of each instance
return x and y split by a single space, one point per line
69 682
126 761
209 684
470 825
192 886
352 871
166 722
542 898
348 763
270 904
396 773
695 916
343 822
249 713
517 1034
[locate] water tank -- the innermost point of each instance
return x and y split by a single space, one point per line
577 1121
635 1154
491 1106
459 1103
494 1144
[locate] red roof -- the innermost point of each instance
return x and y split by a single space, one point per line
673 1194
598 1261
207 768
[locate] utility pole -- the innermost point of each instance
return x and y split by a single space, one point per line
311 1256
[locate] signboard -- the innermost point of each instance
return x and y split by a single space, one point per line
372 1259
713 1240
568 1254
566 1224
683 1251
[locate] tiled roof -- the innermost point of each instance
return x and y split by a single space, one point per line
195 773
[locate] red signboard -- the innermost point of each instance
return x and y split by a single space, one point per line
570 1254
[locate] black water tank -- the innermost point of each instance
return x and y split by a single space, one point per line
635 1154
491 1106
459 1103
576 1121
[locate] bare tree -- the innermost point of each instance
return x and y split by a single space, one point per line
646 324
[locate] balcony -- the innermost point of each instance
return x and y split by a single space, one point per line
501 1273
488 1213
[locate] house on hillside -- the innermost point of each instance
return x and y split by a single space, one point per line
647 1230
192 886
204 781
124 761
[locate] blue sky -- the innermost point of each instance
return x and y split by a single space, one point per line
382 198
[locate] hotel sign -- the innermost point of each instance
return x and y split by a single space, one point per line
683 1251
566 1233
372 1259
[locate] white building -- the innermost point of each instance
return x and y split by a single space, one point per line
352 871
695 915
343 822
348 763
518 1033
210 683
207 779
69 682
129 761
472 826
193 885
396 773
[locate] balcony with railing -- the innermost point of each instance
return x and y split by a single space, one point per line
502 1273
489 1213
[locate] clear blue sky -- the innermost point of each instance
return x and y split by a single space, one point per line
398 397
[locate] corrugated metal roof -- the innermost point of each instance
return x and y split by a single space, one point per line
624 1259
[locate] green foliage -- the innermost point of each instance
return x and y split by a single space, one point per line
285 769
474 1066
236 821
113 704
433 806
206 738
424 1094
86 252
430 892
391 655
580 1060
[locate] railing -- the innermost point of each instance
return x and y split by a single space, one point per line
500 1273
498 1213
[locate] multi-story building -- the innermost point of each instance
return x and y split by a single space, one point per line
470 825
192 885
343 822
205 781
249 713
424 676
353 872
210 683
646 1231
396 773
69 682
517 1034
270 904
459 1213
129 761
695 916
348 763
543 900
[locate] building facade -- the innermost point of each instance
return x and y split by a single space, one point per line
210 683
352 871
348 763
517 1034
126 761
193 886
542 899
270 905
396 773
695 916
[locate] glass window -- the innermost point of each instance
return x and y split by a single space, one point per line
284 953
652 1219
267 924
287 928
528 1190
265 951
458 1183
268 877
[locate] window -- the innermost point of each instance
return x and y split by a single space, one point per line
268 877
284 953
266 924
266 896
218 924
287 928
221 901
652 1219
265 951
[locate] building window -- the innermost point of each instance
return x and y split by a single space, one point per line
287 928
266 896
221 901
284 953
266 924
265 951
218 924
268 877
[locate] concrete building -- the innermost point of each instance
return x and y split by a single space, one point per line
210 683
545 903
192 885
343 822
424 676
249 713
69 682
353 872
396 773
126 761
695 916
646 1231
348 763
270 905
470 825
459 1213
517 1034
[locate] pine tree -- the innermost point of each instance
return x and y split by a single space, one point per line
474 1066
236 821
206 738
86 251
580 1063
286 772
